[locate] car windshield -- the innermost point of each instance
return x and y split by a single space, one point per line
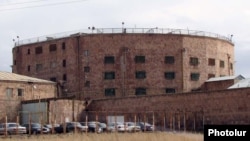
12 125
36 125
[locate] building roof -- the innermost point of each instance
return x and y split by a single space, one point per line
241 84
239 77
8 76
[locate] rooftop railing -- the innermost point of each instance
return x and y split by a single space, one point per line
124 31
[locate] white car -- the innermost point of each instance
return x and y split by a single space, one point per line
132 127
12 128
115 126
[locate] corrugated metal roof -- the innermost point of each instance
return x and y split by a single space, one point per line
241 84
8 76
225 78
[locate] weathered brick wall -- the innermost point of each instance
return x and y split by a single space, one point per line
90 50
214 107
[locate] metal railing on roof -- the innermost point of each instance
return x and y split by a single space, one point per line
123 30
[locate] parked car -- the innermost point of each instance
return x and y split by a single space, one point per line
115 126
35 128
12 128
49 126
93 126
71 127
132 127
145 126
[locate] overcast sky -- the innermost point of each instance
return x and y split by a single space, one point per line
34 18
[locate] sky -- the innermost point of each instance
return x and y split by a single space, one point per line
33 18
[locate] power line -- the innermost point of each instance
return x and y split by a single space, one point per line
52 4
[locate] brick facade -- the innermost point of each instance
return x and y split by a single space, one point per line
79 61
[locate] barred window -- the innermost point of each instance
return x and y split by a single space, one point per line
20 92
139 59
39 50
140 91
52 47
63 46
195 76
194 61
110 92
140 74
87 84
109 75
211 62
53 79
170 75
222 64
64 63
169 59
86 69
109 60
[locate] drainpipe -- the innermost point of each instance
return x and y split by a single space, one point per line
183 50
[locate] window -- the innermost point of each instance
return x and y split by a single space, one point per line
140 74
170 90
211 62
170 75
39 67
52 47
63 46
194 61
86 69
9 92
14 62
110 92
109 60
169 59
53 79
20 92
64 63
210 75
28 51
139 59
65 77
222 64
86 52
231 66
109 75
195 76
140 91
39 50
28 68
87 84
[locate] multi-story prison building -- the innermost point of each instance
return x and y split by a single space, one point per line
106 63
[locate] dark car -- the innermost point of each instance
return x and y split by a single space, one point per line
35 128
145 126
93 126
71 127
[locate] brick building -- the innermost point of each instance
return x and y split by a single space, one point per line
16 88
106 63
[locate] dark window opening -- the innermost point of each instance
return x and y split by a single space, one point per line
86 69
140 91
52 47
195 76
28 68
169 59
53 79
109 75
87 84
231 66
28 51
109 60
65 77
39 67
140 74
139 59
222 64
170 75
110 92
14 62
20 92
63 46
64 63
194 61
211 62
39 50
170 90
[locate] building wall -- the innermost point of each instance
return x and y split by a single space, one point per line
90 50
10 101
